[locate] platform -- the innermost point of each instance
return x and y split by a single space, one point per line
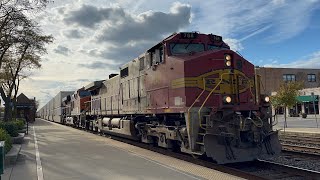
302 130
67 153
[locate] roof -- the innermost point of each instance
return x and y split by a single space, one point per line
23 99
307 98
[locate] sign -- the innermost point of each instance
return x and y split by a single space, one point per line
188 35
216 38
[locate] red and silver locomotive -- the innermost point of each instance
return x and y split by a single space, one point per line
189 92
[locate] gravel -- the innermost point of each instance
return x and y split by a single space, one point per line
299 160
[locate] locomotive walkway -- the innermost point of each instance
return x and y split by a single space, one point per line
65 153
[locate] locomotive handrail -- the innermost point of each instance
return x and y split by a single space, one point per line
204 102
204 89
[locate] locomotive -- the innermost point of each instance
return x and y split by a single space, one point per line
189 93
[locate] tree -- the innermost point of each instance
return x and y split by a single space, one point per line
12 18
286 97
25 57
21 44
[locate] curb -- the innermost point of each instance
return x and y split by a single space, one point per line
24 130
18 139
12 156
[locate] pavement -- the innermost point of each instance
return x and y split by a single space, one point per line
299 124
55 152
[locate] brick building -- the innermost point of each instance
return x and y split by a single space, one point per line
272 78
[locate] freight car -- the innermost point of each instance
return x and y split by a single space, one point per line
189 92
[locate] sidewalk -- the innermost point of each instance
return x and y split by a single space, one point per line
298 122
25 167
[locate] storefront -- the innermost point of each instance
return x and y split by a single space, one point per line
308 104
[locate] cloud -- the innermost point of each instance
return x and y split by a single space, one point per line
117 55
62 50
96 65
278 19
234 44
311 61
89 16
124 35
73 34
147 26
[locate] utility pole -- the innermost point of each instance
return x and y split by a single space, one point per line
314 108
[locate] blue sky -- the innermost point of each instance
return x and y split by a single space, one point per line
94 37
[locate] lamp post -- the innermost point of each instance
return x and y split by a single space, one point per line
314 108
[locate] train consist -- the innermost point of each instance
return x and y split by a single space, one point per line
189 93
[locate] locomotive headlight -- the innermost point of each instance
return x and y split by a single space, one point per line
228 57
266 99
227 99
228 63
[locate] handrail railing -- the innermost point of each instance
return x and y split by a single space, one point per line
204 89
204 102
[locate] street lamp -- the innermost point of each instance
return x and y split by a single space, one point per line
314 108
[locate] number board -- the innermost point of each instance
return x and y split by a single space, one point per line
216 38
188 35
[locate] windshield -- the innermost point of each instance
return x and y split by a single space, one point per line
184 48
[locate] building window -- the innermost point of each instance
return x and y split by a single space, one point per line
124 72
289 77
311 78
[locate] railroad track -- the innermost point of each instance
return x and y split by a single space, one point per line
306 144
301 140
272 170
301 149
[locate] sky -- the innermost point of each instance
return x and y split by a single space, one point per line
94 37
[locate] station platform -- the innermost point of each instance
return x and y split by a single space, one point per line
302 130
68 153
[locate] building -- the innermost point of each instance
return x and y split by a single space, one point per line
26 107
272 78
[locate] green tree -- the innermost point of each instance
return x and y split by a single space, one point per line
286 97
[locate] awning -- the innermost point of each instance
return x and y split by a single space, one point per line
307 98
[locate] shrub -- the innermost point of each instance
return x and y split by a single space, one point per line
19 123
4 136
11 127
